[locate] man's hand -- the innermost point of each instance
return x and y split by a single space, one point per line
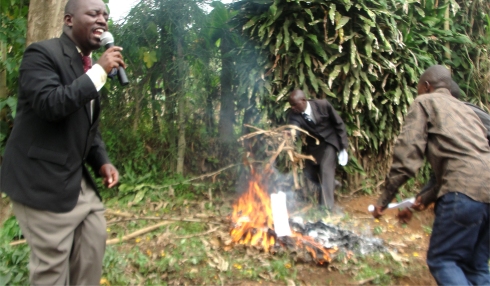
417 205
378 211
111 58
110 175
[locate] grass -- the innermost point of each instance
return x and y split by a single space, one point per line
178 253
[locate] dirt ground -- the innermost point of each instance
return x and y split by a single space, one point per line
410 241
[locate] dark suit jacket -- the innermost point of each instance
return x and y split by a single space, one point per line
53 135
329 127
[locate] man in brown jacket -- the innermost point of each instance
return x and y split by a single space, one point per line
454 141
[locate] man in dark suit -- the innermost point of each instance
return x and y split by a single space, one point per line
320 119
55 133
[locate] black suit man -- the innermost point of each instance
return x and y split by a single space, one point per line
55 133
320 119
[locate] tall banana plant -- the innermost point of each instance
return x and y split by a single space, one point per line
365 56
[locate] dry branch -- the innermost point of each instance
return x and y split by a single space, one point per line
162 219
282 139
198 234
137 233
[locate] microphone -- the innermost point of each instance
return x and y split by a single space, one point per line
107 40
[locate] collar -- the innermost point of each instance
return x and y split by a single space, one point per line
308 108
442 90
80 52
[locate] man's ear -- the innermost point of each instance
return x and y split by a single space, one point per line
427 86
68 20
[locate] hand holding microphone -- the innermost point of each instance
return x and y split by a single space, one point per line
111 61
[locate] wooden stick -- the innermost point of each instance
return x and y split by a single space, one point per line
162 219
198 234
17 242
137 233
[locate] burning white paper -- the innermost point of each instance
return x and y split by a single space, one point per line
280 214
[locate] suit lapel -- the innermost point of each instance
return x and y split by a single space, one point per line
314 111
74 59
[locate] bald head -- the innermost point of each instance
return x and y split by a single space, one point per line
297 100
71 6
434 77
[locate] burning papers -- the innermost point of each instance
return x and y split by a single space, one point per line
280 214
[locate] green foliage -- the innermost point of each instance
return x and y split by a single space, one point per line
364 56
13 265
114 264
10 230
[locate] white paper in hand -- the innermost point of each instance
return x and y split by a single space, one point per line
343 157
280 214
403 204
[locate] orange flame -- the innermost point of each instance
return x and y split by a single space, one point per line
253 223
252 216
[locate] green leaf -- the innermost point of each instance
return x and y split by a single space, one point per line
301 75
326 90
149 58
344 20
353 50
313 80
396 97
420 11
279 38
250 23
331 13
313 38
356 94
307 59
273 9
369 49
308 11
368 97
333 75
347 87
139 196
301 24
287 37
298 41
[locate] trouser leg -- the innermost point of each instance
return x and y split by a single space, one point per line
311 172
327 176
455 239
50 237
477 271
89 241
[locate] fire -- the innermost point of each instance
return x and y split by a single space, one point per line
253 224
252 217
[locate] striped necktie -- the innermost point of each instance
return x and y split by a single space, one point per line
87 63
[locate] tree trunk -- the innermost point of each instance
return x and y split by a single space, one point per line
154 110
227 110
182 104
45 20
3 73
447 27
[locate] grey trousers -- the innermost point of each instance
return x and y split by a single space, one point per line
66 248
323 175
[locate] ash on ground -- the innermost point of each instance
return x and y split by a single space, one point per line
331 236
